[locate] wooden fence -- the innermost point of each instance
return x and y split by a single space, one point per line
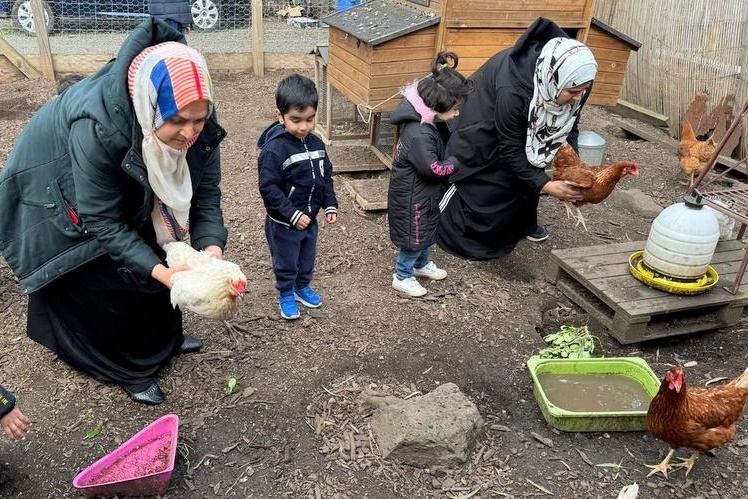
687 47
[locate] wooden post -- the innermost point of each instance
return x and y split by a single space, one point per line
441 34
258 51
18 60
589 8
42 40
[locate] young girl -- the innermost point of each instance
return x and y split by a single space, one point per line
420 170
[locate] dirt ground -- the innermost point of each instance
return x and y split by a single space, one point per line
475 329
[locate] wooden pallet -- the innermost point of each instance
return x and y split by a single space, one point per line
370 194
597 278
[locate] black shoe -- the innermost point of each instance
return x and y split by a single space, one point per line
540 234
152 395
190 344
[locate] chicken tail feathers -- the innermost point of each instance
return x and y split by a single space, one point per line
741 381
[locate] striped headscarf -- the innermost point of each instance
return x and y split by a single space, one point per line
563 63
162 80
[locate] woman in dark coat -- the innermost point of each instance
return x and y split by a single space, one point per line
525 105
101 177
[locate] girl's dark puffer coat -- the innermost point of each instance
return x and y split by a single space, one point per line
419 174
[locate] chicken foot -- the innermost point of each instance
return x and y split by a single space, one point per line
663 467
575 213
687 462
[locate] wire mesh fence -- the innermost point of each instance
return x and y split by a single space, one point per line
687 47
218 26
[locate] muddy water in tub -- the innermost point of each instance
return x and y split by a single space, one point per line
594 392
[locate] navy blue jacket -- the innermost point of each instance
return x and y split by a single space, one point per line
176 10
7 401
295 176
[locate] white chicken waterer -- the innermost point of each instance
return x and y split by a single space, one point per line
591 148
682 240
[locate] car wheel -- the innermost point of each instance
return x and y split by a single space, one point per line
23 17
205 14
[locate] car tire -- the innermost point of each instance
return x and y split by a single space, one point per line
206 14
23 18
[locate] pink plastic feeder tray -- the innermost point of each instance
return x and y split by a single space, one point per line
142 466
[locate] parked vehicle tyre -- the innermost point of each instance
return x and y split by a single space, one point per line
206 14
23 17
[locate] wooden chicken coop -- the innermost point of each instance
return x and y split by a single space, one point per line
380 46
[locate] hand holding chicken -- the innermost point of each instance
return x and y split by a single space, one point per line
594 183
701 419
211 287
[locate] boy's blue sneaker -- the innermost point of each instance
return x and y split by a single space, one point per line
307 297
289 309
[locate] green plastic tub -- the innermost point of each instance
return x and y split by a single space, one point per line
634 368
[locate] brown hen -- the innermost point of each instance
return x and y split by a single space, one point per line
594 183
700 419
693 153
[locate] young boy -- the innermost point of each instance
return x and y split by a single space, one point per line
295 182
12 420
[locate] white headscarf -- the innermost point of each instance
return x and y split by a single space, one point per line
163 79
563 63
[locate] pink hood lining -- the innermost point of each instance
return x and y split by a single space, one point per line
411 94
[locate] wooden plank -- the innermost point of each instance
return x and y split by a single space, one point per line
351 60
357 167
402 54
631 110
515 20
478 36
396 81
42 41
18 60
369 194
422 67
422 38
350 87
350 44
602 99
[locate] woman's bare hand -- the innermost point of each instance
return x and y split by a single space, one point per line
163 274
561 190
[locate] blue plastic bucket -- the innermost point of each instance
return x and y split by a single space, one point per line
347 4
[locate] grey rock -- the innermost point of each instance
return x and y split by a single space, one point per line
437 429
635 201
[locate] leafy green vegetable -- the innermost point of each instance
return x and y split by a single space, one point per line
93 432
569 342
231 385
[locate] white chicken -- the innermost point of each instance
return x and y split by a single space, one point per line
211 287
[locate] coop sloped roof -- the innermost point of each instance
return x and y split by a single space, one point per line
379 21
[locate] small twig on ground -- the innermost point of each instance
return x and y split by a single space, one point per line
540 487
468 496
202 459
584 457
